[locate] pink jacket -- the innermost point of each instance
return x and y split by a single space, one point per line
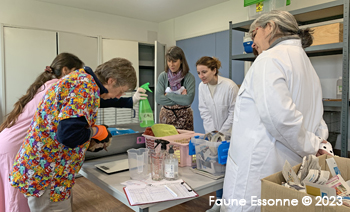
11 200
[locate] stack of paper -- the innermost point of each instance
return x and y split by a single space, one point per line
158 192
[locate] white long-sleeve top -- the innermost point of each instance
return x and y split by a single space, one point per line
217 110
278 117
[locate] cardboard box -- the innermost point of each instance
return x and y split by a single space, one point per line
331 33
271 188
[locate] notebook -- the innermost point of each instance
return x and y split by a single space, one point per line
158 192
114 166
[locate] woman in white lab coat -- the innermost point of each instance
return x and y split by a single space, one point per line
217 97
278 112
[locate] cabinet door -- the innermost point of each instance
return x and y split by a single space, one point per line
84 47
127 50
27 53
159 56
121 48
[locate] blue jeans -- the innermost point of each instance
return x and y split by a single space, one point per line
219 194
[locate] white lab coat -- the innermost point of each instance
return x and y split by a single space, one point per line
217 111
278 117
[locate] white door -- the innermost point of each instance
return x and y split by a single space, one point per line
27 53
121 48
84 47
159 66
130 51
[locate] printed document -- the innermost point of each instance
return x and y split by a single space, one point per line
158 192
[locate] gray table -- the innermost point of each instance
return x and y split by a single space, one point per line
111 183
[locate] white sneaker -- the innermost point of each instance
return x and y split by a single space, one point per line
215 208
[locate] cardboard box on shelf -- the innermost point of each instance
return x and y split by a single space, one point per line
271 188
326 34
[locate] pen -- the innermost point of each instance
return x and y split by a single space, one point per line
171 191
186 186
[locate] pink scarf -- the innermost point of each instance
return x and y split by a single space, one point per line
175 80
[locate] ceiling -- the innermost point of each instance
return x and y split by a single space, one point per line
147 10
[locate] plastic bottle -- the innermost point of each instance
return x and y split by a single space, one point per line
145 110
247 44
158 160
339 87
171 165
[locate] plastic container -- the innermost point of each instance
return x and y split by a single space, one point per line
180 143
138 163
157 170
171 164
195 141
255 10
208 155
247 44
339 88
120 131
145 110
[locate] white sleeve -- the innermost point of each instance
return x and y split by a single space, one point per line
204 111
322 130
228 123
278 112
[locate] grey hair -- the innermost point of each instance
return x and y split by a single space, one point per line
283 24
119 69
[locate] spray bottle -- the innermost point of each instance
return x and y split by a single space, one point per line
171 165
158 160
145 110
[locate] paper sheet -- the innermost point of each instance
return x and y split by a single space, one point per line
157 192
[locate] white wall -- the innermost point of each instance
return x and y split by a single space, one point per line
214 19
55 17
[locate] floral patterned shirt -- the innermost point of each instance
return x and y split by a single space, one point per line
42 162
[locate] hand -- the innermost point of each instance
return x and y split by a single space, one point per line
102 135
139 95
184 92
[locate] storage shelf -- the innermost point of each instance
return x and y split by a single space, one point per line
330 103
333 103
312 51
310 15
144 63
315 14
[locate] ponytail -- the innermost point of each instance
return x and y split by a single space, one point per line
306 37
53 71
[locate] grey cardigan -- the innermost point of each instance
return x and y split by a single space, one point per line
175 99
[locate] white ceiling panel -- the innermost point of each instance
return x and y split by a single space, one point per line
148 10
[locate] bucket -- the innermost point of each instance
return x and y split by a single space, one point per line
138 163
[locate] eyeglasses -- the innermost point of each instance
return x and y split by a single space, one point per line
253 33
